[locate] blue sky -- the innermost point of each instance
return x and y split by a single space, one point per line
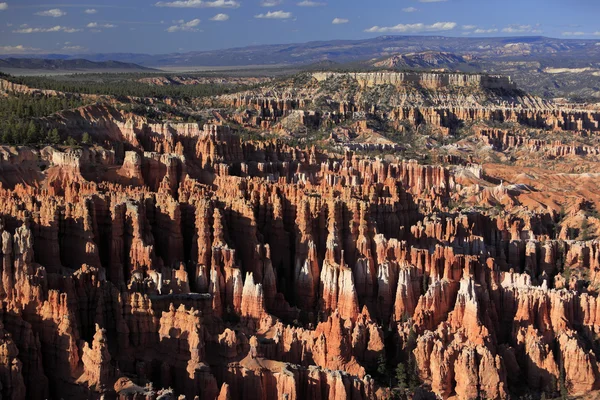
152 26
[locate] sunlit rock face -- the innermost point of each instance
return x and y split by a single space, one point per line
188 260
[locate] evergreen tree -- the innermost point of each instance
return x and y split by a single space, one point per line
411 341
71 142
401 377
413 378
7 137
562 382
18 112
381 365
383 372
584 230
86 138
32 133
53 137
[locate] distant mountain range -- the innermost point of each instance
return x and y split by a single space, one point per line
567 52
426 60
549 67
78 64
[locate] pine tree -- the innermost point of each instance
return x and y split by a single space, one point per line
71 142
584 230
413 378
562 382
7 137
381 365
401 377
32 133
53 137
411 341
86 138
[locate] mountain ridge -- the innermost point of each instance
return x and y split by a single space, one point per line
352 50
71 64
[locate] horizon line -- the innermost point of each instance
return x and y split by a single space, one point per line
58 53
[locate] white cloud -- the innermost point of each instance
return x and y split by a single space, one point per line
91 11
199 4
56 28
220 17
183 26
97 25
275 15
521 29
3 6
55 12
597 33
20 49
70 48
469 27
337 21
270 3
409 9
310 3
438 26
574 33
480 30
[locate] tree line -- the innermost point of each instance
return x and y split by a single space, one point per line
124 88
19 114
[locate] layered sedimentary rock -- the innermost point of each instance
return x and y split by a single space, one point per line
185 260
160 297
430 80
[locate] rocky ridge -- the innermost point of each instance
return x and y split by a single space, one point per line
177 259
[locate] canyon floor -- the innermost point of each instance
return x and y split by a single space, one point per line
326 235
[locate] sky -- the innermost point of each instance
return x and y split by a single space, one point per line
169 26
